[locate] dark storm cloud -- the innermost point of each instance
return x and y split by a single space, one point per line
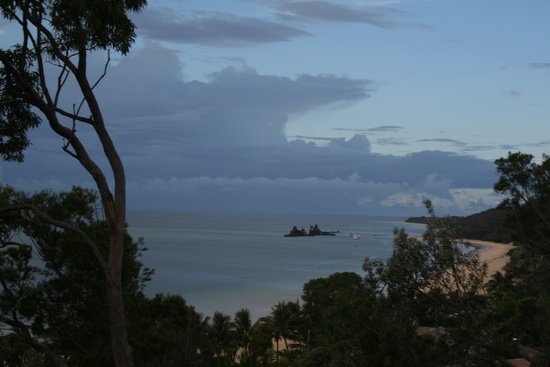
220 143
292 177
234 106
217 29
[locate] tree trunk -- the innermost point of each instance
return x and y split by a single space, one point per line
122 351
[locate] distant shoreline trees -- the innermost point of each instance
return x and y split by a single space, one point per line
488 225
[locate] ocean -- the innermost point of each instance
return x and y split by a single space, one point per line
225 262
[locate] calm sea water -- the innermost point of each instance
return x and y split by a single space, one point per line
224 262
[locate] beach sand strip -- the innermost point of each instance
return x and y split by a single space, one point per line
494 254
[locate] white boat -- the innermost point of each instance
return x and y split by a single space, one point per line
354 236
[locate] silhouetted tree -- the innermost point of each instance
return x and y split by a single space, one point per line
242 328
57 37
526 186
51 294
285 317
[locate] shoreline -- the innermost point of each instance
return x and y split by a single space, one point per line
494 254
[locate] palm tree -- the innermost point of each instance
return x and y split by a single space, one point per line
285 316
242 328
261 343
221 338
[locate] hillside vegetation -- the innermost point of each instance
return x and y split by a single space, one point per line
428 304
489 225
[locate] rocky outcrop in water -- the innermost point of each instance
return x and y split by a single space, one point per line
313 231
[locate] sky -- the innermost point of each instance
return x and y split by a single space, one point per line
349 107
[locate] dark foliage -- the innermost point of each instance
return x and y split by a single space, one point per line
427 305
50 285
489 225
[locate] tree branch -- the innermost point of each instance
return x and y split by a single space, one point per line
57 223
114 209
73 116
104 70
31 96
11 243
61 80
23 330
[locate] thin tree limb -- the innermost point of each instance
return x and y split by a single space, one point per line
68 226
11 243
74 116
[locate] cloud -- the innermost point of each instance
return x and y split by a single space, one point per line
386 128
308 195
358 143
372 130
459 200
213 29
235 106
321 138
296 177
435 185
468 147
337 12
350 129
442 140
365 201
514 92
340 12
391 141
220 144
539 65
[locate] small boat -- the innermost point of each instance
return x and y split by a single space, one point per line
354 236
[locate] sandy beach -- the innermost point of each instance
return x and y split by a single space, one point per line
494 254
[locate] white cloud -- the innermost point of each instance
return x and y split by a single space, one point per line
463 200
365 201
403 199
470 198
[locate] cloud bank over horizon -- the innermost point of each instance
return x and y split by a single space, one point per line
220 145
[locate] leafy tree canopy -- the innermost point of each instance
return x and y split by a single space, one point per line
55 32
52 293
